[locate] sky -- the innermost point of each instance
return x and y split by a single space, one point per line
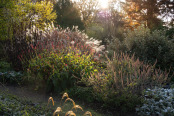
103 3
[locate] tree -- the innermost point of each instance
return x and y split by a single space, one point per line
6 13
167 9
68 14
142 12
16 15
88 10
107 25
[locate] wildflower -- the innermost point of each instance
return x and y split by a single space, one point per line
31 46
40 56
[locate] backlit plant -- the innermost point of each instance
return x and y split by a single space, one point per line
125 78
59 110
62 69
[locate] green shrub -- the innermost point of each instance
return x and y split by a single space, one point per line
151 47
11 77
4 66
61 70
83 93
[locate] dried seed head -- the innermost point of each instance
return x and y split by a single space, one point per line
88 113
65 95
51 99
69 99
70 113
58 110
77 106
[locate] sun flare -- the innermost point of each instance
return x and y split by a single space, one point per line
103 3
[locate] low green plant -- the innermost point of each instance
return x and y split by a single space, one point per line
11 77
5 66
158 101
12 105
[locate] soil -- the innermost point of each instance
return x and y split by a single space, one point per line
25 93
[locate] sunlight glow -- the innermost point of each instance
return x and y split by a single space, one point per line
103 3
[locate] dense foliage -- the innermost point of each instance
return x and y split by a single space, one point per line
68 14
60 70
49 56
149 47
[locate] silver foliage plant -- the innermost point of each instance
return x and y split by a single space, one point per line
158 102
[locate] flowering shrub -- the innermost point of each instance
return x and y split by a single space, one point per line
123 80
57 38
158 102
61 70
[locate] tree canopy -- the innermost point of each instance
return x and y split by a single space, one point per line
26 13
68 14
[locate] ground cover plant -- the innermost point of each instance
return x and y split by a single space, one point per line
158 101
12 105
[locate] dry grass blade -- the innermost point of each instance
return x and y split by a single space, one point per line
70 113
65 95
51 99
69 99
58 110
77 106
88 113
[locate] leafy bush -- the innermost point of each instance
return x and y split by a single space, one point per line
55 39
83 93
61 70
61 56
25 15
124 80
158 101
11 77
151 47
4 66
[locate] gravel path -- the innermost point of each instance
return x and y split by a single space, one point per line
25 93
